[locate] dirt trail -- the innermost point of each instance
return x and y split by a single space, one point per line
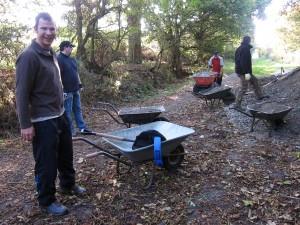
229 176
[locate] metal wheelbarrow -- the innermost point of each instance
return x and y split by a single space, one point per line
133 115
172 152
216 93
271 113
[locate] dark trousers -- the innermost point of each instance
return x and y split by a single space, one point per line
219 79
52 151
244 87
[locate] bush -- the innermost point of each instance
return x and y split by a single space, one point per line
125 82
8 116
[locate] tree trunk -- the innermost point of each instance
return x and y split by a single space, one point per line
79 24
176 63
134 38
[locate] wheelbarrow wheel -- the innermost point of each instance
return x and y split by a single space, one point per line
175 158
161 118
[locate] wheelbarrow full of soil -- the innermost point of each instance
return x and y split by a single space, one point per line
133 115
130 153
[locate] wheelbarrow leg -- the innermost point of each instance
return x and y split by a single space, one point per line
206 102
270 126
151 177
121 171
144 174
252 124
212 102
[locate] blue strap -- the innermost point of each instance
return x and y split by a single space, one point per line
157 152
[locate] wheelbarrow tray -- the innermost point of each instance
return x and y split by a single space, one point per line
173 133
214 92
140 115
205 78
269 110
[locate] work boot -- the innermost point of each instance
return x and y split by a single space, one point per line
75 190
55 209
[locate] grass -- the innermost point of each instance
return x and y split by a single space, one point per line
260 67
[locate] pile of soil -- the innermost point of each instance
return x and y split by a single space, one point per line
282 89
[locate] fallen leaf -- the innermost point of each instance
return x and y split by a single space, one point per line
80 160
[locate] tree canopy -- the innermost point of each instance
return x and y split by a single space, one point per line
291 33
184 30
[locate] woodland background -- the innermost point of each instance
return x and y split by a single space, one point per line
129 49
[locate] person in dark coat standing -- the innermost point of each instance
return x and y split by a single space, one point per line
243 69
72 86
39 102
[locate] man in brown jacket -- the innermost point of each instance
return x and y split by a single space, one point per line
39 100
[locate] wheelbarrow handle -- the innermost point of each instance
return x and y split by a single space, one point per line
111 106
109 136
243 112
91 155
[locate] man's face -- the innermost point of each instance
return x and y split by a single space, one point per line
46 33
68 50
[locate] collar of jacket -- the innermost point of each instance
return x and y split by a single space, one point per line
64 55
40 50
247 45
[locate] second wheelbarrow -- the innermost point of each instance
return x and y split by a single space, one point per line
133 115
271 113
212 94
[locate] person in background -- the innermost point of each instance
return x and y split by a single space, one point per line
39 102
72 85
243 69
216 63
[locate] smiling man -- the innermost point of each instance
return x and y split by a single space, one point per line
39 100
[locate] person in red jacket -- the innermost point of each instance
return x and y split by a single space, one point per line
216 63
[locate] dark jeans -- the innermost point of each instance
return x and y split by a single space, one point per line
52 151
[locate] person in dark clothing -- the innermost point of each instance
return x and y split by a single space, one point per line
39 102
243 69
72 85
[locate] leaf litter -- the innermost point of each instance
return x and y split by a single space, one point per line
229 176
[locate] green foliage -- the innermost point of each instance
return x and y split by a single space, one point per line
124 83
8 117
291 33
201 27
261 67
11 42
